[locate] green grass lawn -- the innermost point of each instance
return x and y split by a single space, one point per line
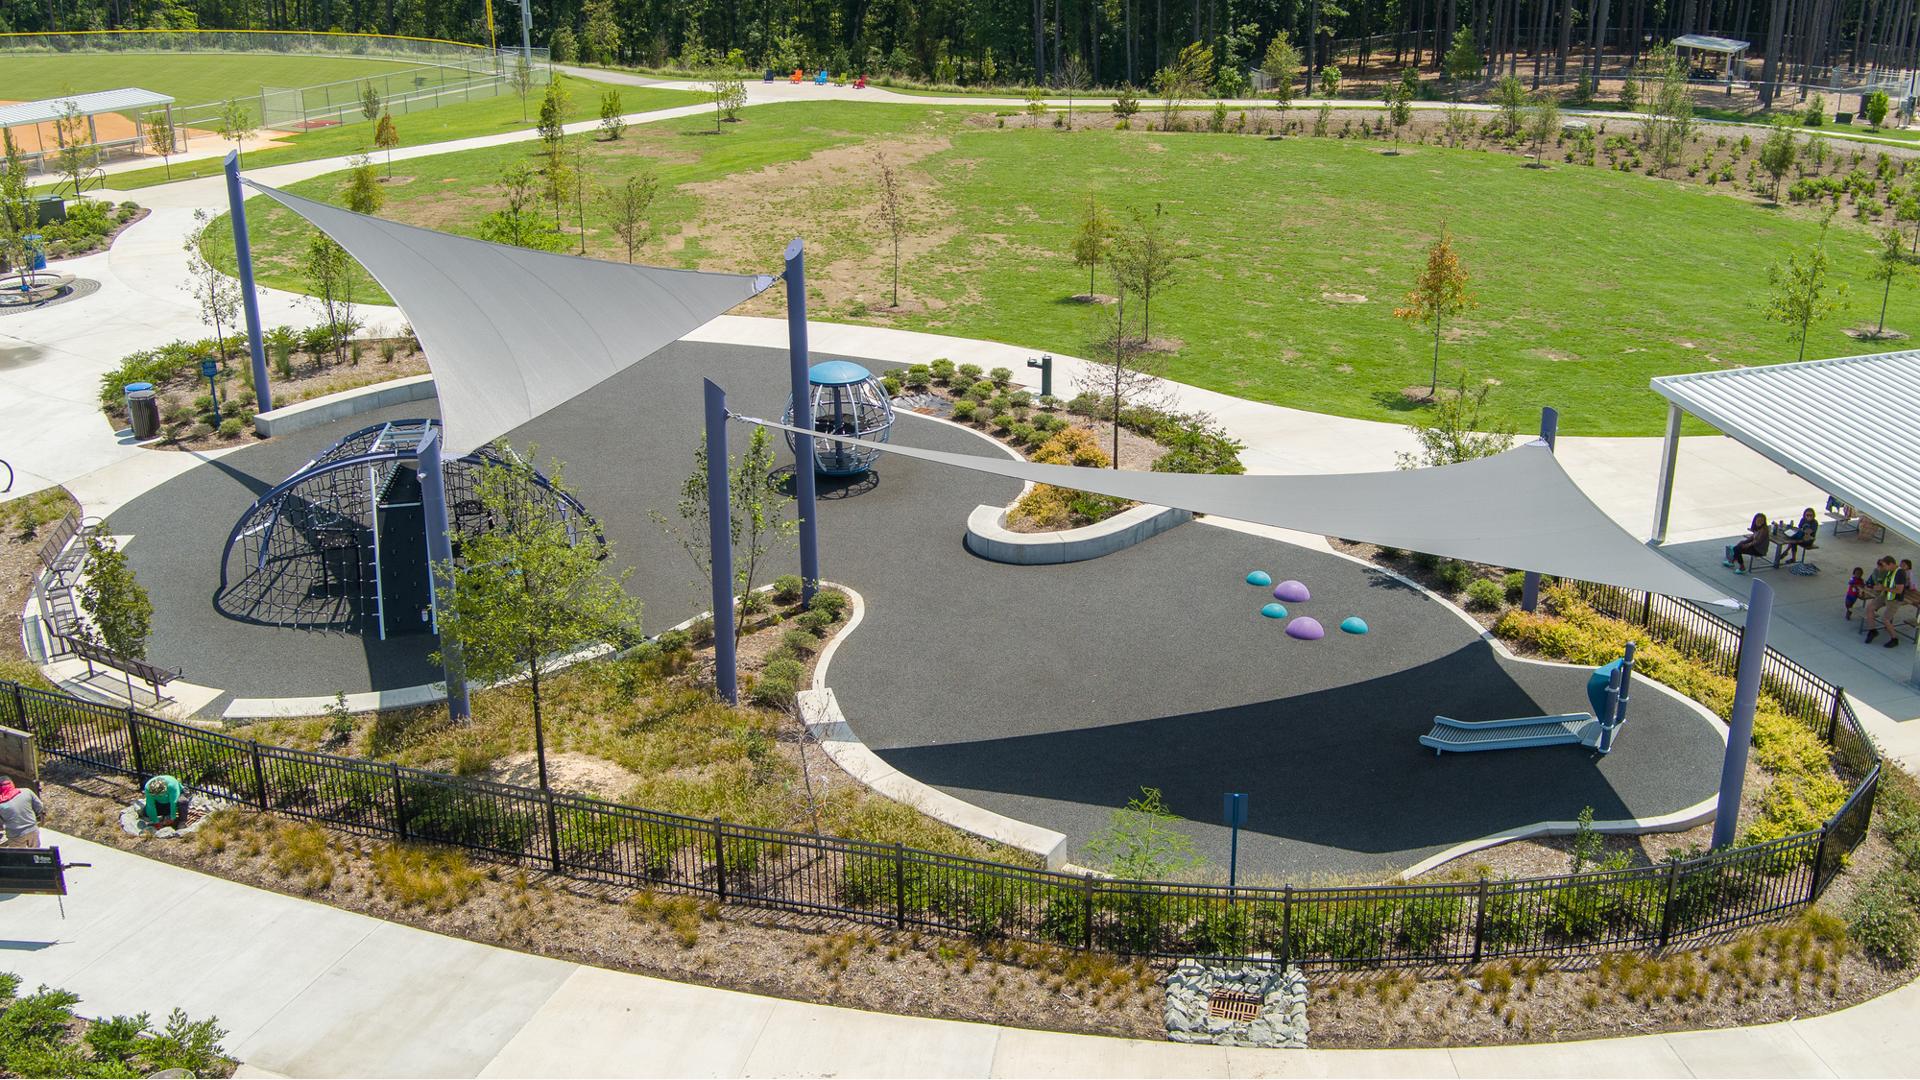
190 78
1590 282
461 121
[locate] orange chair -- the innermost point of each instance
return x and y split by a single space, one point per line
797 77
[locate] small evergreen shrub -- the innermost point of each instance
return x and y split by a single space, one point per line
1454 574
964 409
787 588
1484 595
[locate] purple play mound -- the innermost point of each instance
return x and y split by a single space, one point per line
1306 628
1291 592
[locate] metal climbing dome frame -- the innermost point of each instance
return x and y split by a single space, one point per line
341 544
846 400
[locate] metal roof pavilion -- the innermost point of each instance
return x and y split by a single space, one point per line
1848 425
1709 43
125 99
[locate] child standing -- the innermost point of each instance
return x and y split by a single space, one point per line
1856 585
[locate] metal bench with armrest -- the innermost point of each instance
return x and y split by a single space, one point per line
1607 690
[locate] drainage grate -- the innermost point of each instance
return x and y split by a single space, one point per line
1233 1005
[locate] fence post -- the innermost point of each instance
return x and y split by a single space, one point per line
399 803
720 859
553 830
1480 921
899 885
1086 912
1833 715
1666 905
133 738
1646 609
1286 925
1819 859
259 773
19 708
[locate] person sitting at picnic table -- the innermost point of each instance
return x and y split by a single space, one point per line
20 813
1886 590
1759 536
1801 536
166 802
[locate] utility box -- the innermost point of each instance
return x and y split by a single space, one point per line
49 209
19 761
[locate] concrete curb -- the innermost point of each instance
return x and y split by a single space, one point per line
327 409
989 537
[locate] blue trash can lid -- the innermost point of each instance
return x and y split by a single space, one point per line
133 386
837 373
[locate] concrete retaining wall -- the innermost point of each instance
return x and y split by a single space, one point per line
325 410
989 537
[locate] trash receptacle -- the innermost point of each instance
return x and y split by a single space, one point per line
143 410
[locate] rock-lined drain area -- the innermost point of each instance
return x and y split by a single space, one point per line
1253 1005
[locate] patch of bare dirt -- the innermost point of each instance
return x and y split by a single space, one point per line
1868 333
567 771
1344 297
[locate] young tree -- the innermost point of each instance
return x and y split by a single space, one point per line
386 136
1630 93
236 123
612 115
1778 151
553 114
521 79
1438 292
1543 121
1141 843
157 129
1036 106
1511 96
517 223
761 517
1802 294
330 284
364 194
1182 80
1092 238
1669 122
119 612
1146 261
216 294
370 102
1125 106
601 37
1330 81
19 218
582 165
1121 373
532 588
1906 210
627 207
1399 108
890 210
1889 264
1459 429
1462 63
556 176
1073 79
729 96
1876 108
79 157
1282 65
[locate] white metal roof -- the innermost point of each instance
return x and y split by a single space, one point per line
1849 425
1709 43
125 99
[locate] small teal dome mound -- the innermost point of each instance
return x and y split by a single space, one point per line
1260 578
1274 611
1354 624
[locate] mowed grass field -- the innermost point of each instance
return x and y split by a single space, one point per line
1589 282
190 78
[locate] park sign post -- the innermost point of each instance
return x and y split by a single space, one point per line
34 870
1234 813
210 371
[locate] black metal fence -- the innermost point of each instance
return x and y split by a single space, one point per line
1677 902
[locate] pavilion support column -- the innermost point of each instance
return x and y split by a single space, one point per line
1669 464
1746 696
1549 431
249 297
803 446
720 544
433 498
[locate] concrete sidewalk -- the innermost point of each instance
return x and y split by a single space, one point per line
308 990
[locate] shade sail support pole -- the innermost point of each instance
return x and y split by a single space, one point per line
803 447
433 494
249 296
720 544
1669 465
1746 698
1549 431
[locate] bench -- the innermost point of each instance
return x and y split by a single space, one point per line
153 675
1466 736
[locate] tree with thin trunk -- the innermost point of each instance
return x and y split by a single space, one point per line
627 207
1440 291
521 79
19 217
762 517
556 173
1778 151
1889 264
530 589
214 293
1092 239
369 102
890 210
157 129
1802 292
1511 96
1147 262
330 283
582 167
613 118
119 612
1543 121
553 114
1282 66
236 124
1182 80
386 136
364 194
1121 374
79 157
1073 79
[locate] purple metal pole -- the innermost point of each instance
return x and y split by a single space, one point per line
1746 696
433 496
1549 428
720 544
249 299
803 477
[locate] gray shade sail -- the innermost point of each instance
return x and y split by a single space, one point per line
1518 509
511 333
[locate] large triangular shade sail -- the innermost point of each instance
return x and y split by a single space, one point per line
511 333
1517 509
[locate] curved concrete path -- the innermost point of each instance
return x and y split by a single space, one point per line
308 990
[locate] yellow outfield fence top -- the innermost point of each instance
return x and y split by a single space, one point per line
300 33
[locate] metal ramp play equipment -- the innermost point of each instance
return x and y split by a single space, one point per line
341 544
1607 690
